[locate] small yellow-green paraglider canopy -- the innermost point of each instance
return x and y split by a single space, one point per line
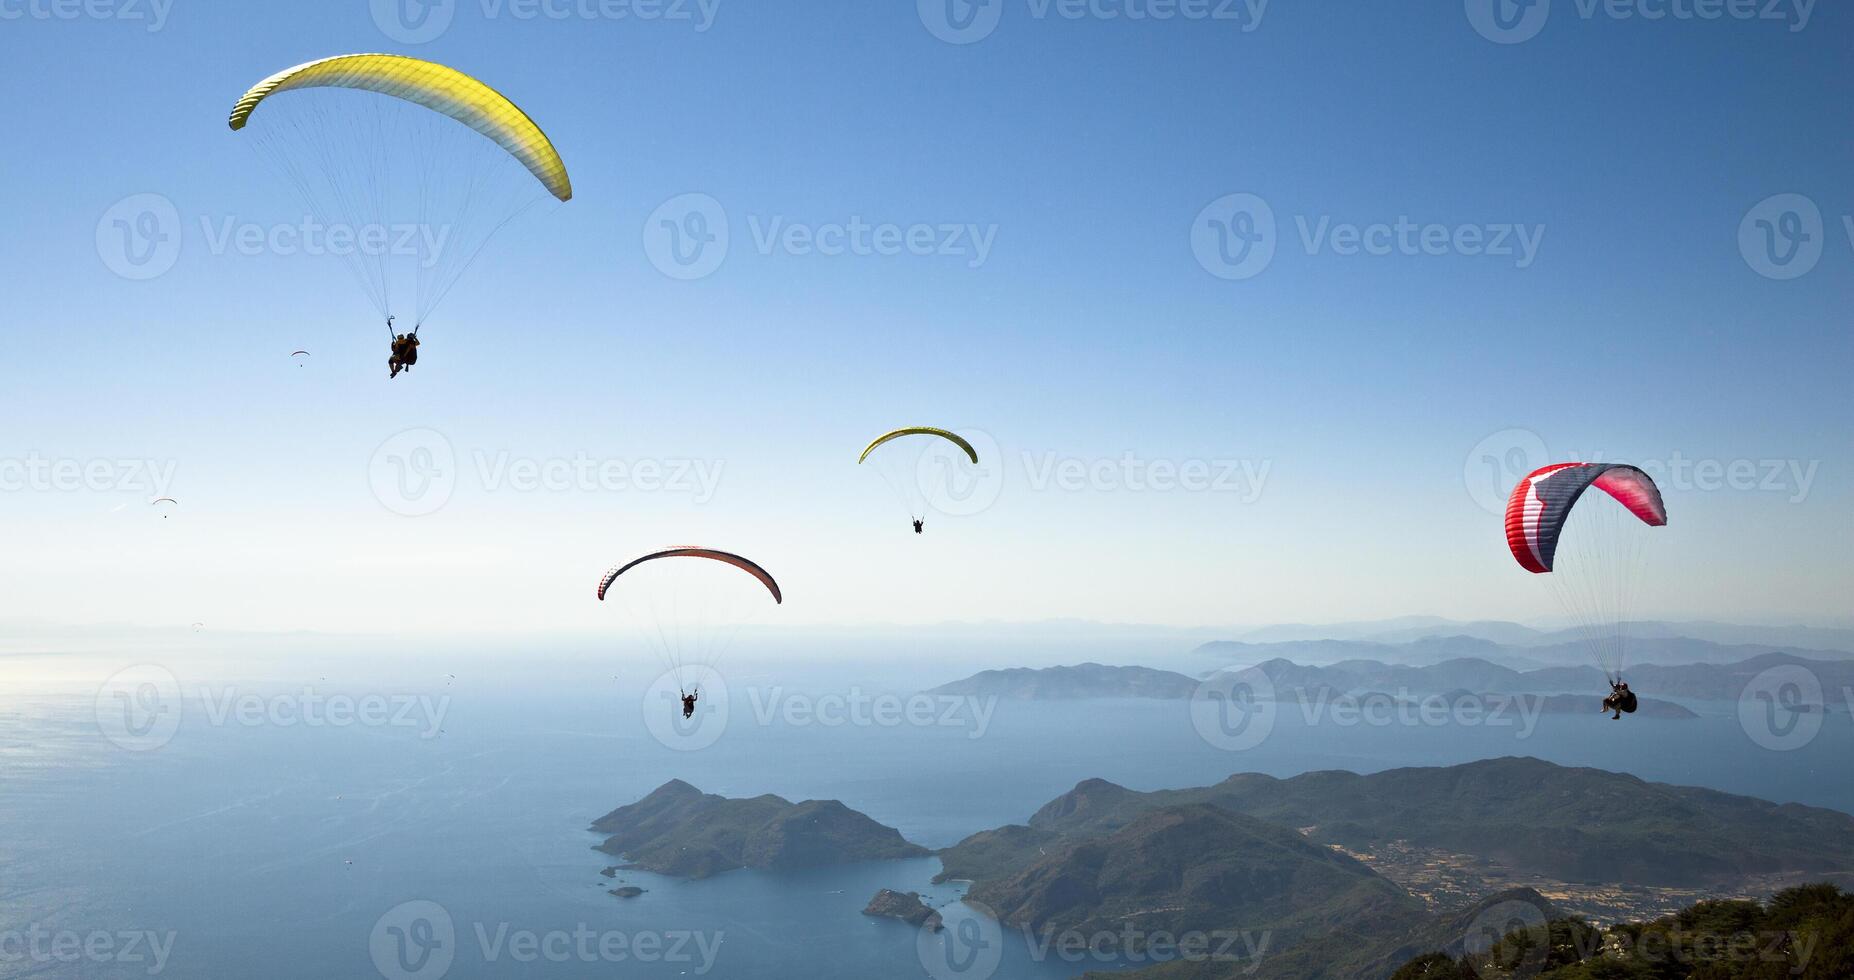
921 430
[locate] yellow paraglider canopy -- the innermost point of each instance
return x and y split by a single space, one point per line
921 430
434 86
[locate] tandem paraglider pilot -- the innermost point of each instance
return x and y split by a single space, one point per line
1620 699
405 351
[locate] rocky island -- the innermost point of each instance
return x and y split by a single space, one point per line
1078 682
682 832
906 906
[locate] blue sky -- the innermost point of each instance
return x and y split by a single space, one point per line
1356 391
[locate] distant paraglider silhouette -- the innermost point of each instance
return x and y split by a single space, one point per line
689 610
900 469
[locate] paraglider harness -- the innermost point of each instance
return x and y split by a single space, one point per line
688 702
405 350
917 525
1621 700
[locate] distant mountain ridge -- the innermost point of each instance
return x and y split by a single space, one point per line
1464 676
1425 651
1407 629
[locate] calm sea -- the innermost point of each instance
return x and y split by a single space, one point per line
258 834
